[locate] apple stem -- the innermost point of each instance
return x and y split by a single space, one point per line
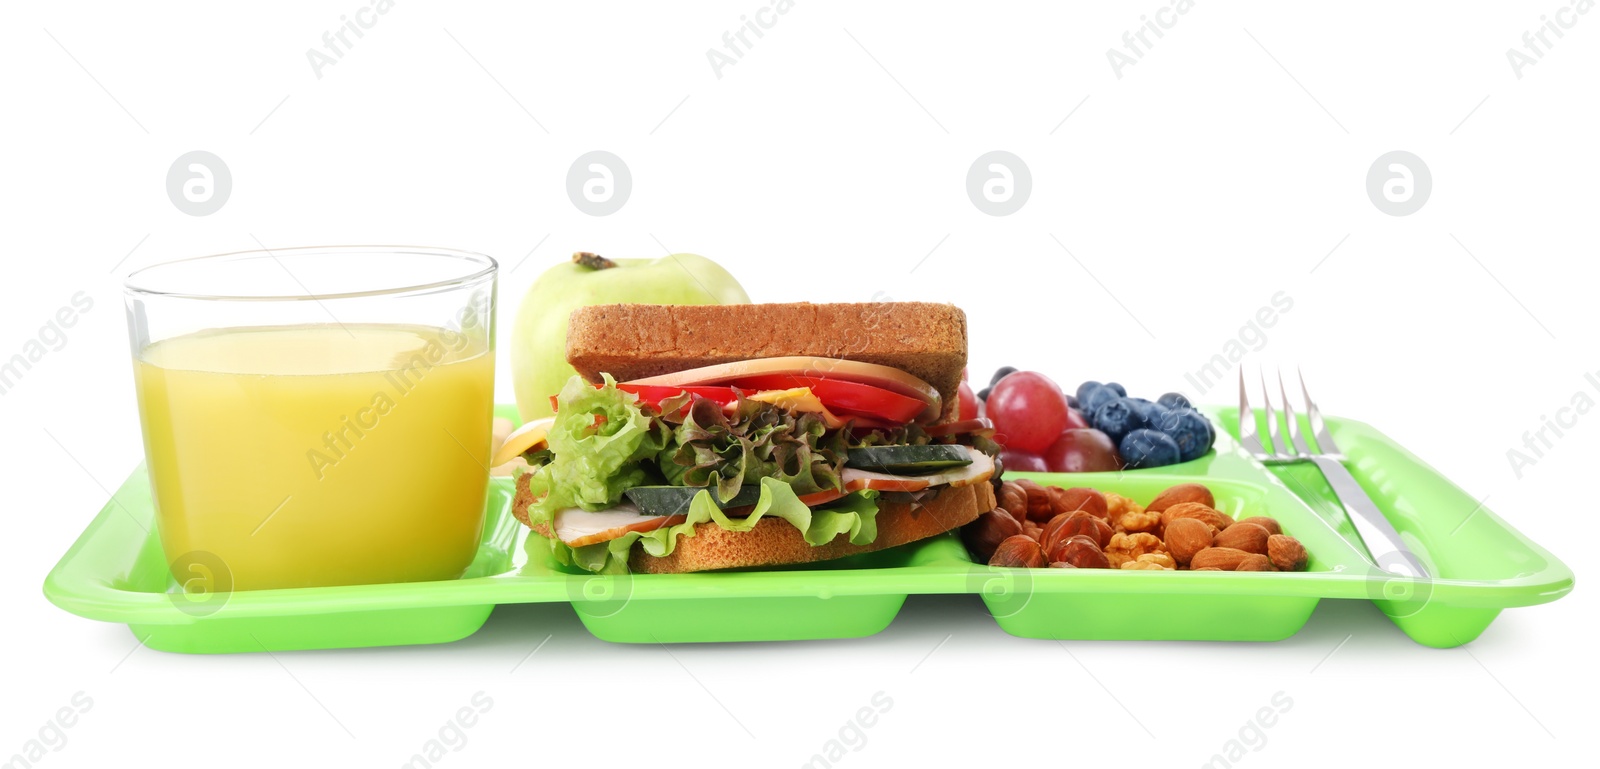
592 261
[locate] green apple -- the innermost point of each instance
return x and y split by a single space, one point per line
539 335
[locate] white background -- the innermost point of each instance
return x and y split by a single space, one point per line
828 164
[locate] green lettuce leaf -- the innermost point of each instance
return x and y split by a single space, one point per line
712 448
598 442
603 442
854 515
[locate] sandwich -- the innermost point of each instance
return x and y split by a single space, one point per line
698 438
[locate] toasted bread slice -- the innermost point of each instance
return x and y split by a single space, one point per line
774 542
633 341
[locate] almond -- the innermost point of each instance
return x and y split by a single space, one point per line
1187 536
1244 536
1254 562
1223 558
1286 553
1197 511
1264 522
1078 498
1183 492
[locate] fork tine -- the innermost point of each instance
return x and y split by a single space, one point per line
1274 432
1302 449
1314 414
1248 433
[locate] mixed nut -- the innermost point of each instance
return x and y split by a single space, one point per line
1037 526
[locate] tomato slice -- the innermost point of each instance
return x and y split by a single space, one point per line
844 398
821 497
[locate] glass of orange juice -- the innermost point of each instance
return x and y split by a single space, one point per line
316 416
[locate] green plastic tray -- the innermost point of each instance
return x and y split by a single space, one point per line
116 572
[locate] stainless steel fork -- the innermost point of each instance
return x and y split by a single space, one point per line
1389 552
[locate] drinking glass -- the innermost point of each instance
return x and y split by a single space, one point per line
316 416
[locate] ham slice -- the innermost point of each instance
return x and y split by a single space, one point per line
578 527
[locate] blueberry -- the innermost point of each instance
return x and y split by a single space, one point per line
1152 412
1083 389
1072 401
1000 373
983 395
1097 397
1189 430
1148 448
1174 401
1121 391
1118 417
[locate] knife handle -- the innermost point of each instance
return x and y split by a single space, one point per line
1382 540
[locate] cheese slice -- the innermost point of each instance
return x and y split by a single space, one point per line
523 439
799 399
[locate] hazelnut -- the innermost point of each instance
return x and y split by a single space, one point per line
1076 522
985 534
1039 509
1187 536
1286 553
1013 500
1223 558
1264 522
1183 492
1078 498
1081 552
1244 536
1196 510
1020 551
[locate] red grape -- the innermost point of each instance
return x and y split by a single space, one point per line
969 402
1075 420
1029 411
1082 451
1020 462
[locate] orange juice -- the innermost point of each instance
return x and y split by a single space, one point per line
319 454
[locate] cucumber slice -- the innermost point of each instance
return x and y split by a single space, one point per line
909 460
674 500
